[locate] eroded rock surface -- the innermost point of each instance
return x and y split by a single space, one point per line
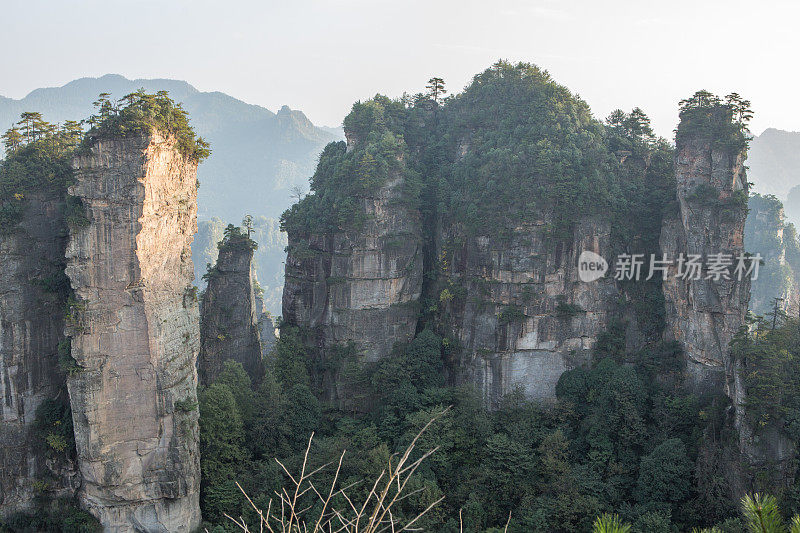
521 313
135 335
32 299
358 286
229 323
704 314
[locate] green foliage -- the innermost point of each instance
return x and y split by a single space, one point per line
761 514
53 428
529 147
53 516
233 238
511 314
39 162
186 405
568 310
706 116
378 153
610 523
222 449
75 213
771 373
665 475
141 113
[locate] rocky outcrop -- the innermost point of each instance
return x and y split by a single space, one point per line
522 315
229 321
32 299
135 337
704 314
767 233
358 286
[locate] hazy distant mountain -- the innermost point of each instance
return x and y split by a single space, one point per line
257 155
774 161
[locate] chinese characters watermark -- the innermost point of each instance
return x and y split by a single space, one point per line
634 267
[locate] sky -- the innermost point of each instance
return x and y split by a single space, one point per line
321 56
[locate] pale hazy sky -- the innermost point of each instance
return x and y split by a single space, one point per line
320 56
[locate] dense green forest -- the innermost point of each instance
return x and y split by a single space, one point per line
622 437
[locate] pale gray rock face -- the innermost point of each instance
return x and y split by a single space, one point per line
229 321
31 327
704 315
135 334
523 317
361 287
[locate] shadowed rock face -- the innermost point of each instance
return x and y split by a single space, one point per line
135 334
229 323
358 286
31 327
523 316
704 315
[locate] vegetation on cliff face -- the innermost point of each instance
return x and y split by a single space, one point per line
771 362
779 276
623 435
140 113
38 160
377 154
706 115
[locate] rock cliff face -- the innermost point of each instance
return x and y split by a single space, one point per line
229 320
32 300
704 314
134 329
767 233
521 313
358 286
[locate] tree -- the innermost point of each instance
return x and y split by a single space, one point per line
609 523
32 125
247 223
73 131
762 515
665 474
741 109
436 88
297 192
12 139
223 456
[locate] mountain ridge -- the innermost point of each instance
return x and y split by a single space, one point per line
235 183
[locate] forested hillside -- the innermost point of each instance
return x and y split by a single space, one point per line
499 185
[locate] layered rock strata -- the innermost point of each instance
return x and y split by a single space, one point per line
229 322
522 315
703 312
32 299
134 328
359 287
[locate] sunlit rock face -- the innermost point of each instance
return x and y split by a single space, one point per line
32 303
135 335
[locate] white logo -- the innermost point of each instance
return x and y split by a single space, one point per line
591 266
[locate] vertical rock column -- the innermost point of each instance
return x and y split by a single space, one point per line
359 287
229 322
704 314
31 327
135 334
